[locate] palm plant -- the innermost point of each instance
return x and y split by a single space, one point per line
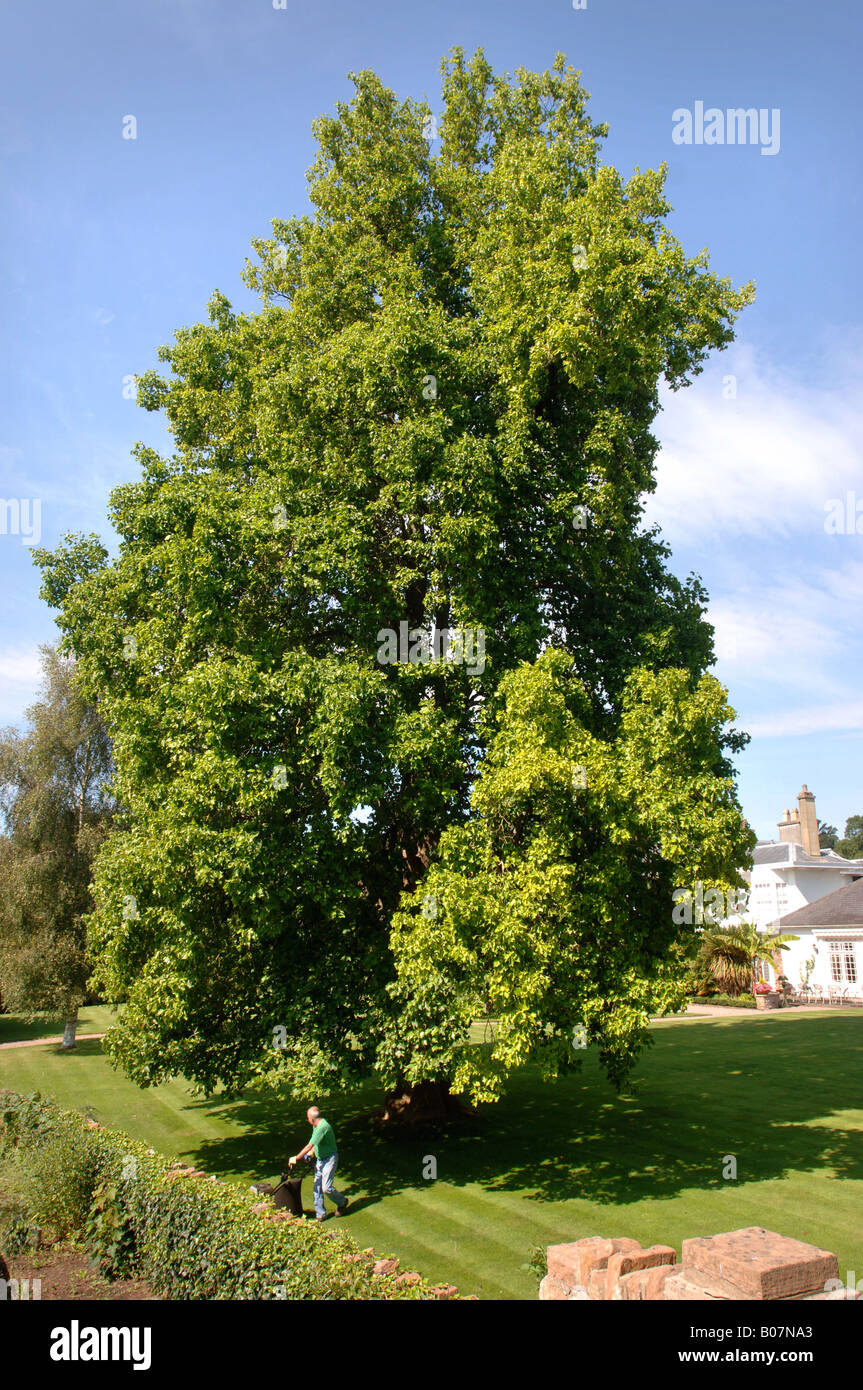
727 957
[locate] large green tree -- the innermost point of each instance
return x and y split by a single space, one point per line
56 809
439 417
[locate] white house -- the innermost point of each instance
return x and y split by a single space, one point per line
831 932
788 876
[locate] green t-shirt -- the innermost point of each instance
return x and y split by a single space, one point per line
323 1139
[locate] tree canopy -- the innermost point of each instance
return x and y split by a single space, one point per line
439 421
851 845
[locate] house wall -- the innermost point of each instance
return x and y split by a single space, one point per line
813 943
775 892
794 960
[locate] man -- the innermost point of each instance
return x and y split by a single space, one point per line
323 1142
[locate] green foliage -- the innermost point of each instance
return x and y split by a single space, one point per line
806 969
110 1233
64 1162
18 1231
454 351
538 1262
187 1236
555 900
851 846
736 1001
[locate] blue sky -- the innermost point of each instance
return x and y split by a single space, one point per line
110 244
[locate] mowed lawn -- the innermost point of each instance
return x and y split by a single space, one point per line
781 1093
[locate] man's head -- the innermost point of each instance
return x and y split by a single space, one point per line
313 1114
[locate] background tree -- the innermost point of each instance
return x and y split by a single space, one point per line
827 835
56 811
852 843
440 416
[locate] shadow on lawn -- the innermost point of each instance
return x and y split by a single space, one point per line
14 1028
752 1088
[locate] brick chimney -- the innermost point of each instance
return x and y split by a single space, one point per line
789 828
808 821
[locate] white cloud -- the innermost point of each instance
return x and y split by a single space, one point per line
773 644
750 459
790 651
764 463
811 719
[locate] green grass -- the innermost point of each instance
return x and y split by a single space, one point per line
13 1028
552 1163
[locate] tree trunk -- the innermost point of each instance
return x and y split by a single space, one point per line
68 1042
428 1102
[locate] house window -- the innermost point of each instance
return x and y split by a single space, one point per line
843 963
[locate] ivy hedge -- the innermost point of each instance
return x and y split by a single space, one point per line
141 1215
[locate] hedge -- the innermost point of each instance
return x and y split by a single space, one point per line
188 1236
731 1001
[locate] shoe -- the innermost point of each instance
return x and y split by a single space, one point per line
320 1218
343 1208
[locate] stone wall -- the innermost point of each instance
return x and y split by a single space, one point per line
747 1264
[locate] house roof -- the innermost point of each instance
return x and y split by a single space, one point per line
790 854
844 908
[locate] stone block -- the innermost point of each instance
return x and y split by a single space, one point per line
568 1262
656 1279
551 1290
678 1288
629 1288
625 1262
831 1296
645 1284
573 1263
757 1264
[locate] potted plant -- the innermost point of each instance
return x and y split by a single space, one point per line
766 997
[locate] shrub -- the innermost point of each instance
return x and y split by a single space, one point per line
732 1001
110 1234
63 1160
20 1236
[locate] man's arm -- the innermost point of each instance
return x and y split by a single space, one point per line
296 1158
